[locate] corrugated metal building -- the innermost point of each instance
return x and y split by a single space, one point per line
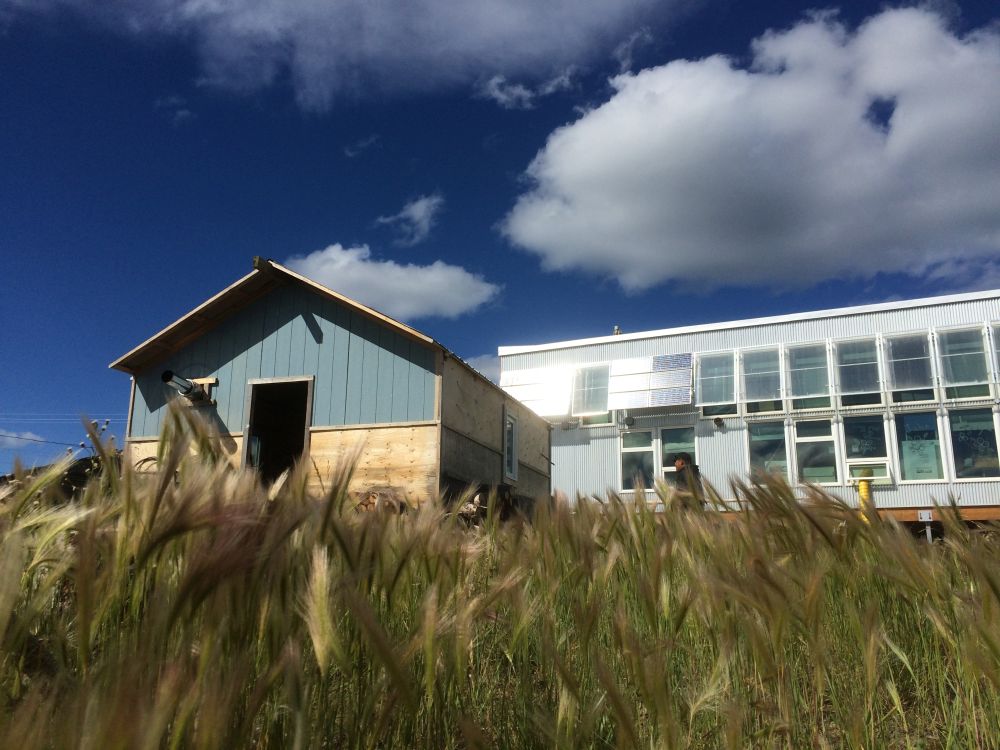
905 393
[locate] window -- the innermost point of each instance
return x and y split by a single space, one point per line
996 350
815 454
509 446
674 440
716 378
919 446
637 460
974 444
767 447
865 447
596 419
590 391
762 380
858 374
808 377
910 368
964 371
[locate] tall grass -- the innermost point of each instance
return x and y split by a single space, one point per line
190 609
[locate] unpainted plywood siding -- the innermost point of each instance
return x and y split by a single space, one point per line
399 459
141 453
366 372
472 412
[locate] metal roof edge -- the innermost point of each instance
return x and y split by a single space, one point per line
504 351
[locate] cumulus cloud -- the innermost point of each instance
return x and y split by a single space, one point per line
487 365
353 150
625 52
835 154
328 49
176 109
510 95
404 291
18 440
415 220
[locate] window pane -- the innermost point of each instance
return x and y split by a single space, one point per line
857 366
767 447
807 370
996 349
974 442
590 391
604 418
817 462
715 378
813 428
637 440
510 448
864 437
718 411
637 468
817 402
910 362
677 440
963 359
919 446
869 471
761 375
861 399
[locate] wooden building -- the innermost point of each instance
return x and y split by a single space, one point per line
292 369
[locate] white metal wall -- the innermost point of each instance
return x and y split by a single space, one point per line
587 460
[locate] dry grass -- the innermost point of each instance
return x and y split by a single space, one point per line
190 610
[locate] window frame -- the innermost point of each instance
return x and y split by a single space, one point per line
622 450
577 373
746 445
666 470
986 338
743 401
951 459
880 366
510 447
943 451
848 462
790 397
831 438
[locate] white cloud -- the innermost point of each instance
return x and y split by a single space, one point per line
18 440
707 173
487 365
405 291
510 95
353 150
176 108
625 52
415 220
331 48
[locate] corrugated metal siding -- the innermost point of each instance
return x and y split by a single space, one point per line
588 460
804 331
366 373
585 460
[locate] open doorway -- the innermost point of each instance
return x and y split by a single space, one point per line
277 431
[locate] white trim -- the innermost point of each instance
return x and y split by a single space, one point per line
750 322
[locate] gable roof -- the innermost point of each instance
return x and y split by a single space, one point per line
266 275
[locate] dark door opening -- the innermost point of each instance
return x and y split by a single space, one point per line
276 435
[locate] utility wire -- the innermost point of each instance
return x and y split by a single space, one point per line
35 440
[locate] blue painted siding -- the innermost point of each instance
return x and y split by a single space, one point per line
366 372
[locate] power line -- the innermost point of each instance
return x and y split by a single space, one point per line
35 440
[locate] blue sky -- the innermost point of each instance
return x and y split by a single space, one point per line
493 173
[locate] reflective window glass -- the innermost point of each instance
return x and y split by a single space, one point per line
857 366
963 357
761 375
974 443
910 362
716 378
807 371
767 447
919 446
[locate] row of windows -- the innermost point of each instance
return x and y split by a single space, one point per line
926 366
906 448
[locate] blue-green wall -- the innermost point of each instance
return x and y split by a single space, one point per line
366 372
